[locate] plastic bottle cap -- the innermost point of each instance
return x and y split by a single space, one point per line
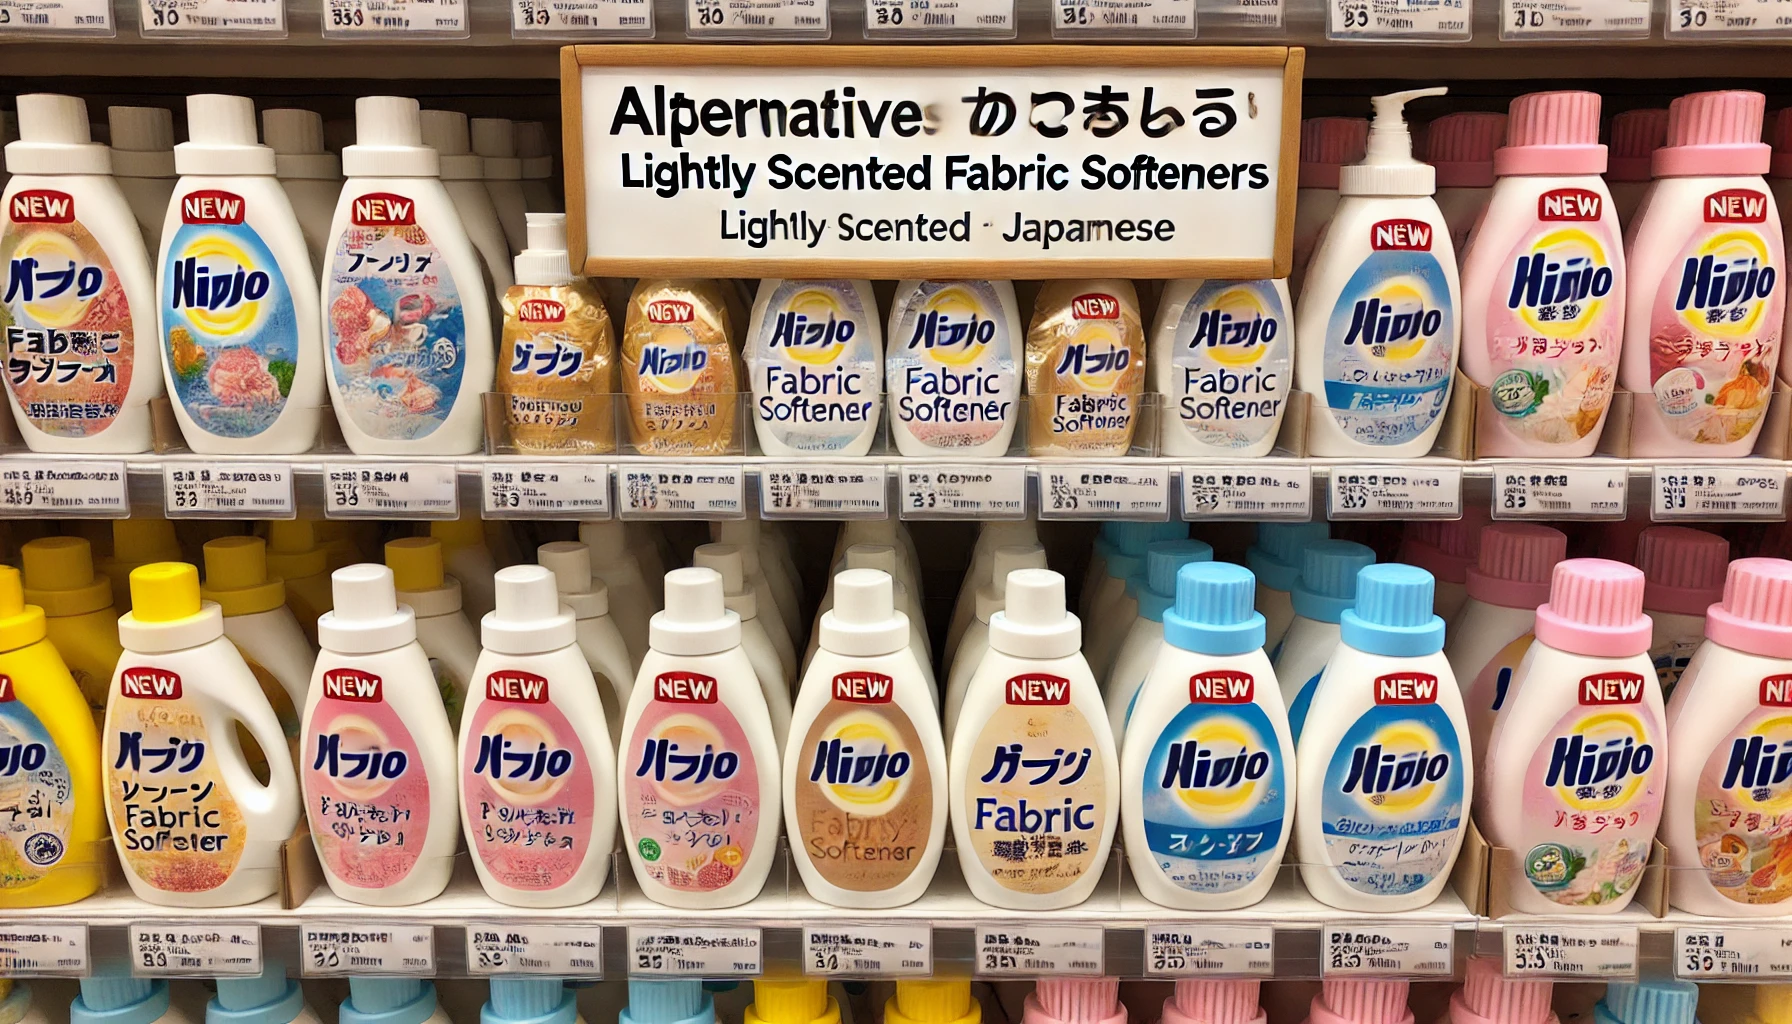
445 131
267 998
933 1001
59 576
21 624
1328 575
1635 135
388 1000
118 999
529 1001
1033 623
1074 1001
1276 557
1361 1002
221 138
1755 615
545 261
54 138
1595 608
494 138
1132 538
297 139
416 563
1327 144
864 622
1003 562
1683 569
164 592
871 556
1155 589
1648 1001
608 541
667 1002
293 551
570 562
791 1002
1446 548
366 617
142 141
137 541
1714 133
696 620
1552 133
1392 615
1201 1001
1213 613
527 616
1460 146
743 534
1388 167
1487 996
389 141
730 562
236 577
1513 566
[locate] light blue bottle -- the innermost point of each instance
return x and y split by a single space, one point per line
114 997
1275 558
667 1002
1325 590
267 998
1648 1001
1155 591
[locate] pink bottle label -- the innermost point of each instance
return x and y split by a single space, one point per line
1742 816
366 790
526 785
690 787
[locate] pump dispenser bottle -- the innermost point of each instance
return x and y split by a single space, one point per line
1490 635
142 143
1460 147
557 362
463 175
1325 591
494 140
311 176
1381 299
78 616
1326 145
258 621
441 625
1276 561
599 640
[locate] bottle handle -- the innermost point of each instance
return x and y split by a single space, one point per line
260 804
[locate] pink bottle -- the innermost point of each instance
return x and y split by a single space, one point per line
1360 1002
1075 1001
1326 144
1703 317
1635 136
1199 1001
1489 997
1446 549
1685 569
1543 285
1461 147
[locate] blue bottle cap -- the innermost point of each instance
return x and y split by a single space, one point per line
388 1001
119 999
1327 584
1155 588
530 1000
1275 558
1132 538
667 1002
1213 613
1648 1001
1393 615
268 998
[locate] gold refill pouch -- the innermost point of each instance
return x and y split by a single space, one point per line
557 369
680 372
1085 368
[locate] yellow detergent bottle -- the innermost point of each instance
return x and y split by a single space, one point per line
135 542
792 1001
258 620
77 604
339 541
933 1001
52 845
295 556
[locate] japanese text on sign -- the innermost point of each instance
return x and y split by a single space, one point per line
558 19
177 18
1377 492
560 950
1718 492
1257 493
993 18
36 950
1210 950
681 491
1557 491
549 489
803 490
424 489
1732 951
259 491
441 18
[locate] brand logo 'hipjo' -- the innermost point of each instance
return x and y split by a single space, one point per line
1400 235
354 685
382 209
1038 688
211 206
42 206
516 687
684 688
540 311
149 684
1095 306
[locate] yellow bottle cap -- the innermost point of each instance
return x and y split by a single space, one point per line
934 1001
21 624
416 563
164 592
468 531
140 541
1773 1004
792 1001
59 577
236 576
293 553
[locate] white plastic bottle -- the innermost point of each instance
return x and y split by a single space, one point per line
311 176
952 367
183 690
377 752
1033 699
815 358
1704 313
769 665
1730 762
1222 357
697 736
238 311
1208 752
1380 304
991 534
65 212
1110 605
537 771
466 557
1139 649
769 569
142 143
1325 591
1326 145
1580 737
463 175
599 639
1635 136
1385 775
410 342
494 139
1684 568
882 557
538 168
257 620
615 561
865 768
990 599
1461 147
1276 559
443 629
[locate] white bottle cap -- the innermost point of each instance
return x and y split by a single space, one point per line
544 261
607 539
696 621
494 138
570 562
1004 560
532 149
297 139
389 141
221 138
1388 167
527 616
864 622
731 563
142 141
445 131
743 534
367 617
872 556
54 138
1033 623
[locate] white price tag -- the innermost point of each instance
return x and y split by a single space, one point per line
401 489
1073 19
1732 952
179 18
446 19
939 17
379 949
806 490
560 19
1256 493
756 18
695 951
1558 491
1104 491
1571 950
1028 950
40 950
1399 20
261 490
561 950
59 17
1384 949
1210 950
195 948
1256 14
29 487
877 950
1574 19
970 491
1396 492
1694 19
686 490
542 490
1718 493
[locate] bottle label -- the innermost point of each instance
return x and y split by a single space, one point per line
397 333
1740 815
690 787
1592 794
1216 792
864 789
527 791
1085 370
1036 797
1714 334
557 364
950 364
229 332
814 364
177 823
1230 374
1390 345
366 787
679 370
69 334
1555 321
38 792
1393 811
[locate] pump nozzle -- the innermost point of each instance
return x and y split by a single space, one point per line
1388 167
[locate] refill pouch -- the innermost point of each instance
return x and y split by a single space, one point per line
680 374
1085 368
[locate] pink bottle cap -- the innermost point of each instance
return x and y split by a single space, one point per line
1445 548
1199 1001
1360 1002
1781 136
1714 133
1552 133
1075 1001
1488 997
1461 147
1755 616
1636 135
1515 563
1328 143
1684 567
1595 608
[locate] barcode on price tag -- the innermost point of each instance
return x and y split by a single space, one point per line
1554 491
43 950
1384 492
826 490
1030 950
1139 19
260 490
1210 950
187 18
1718 493
1399 20
1257 494
32 488
1755 19
560 950
57 17
420 490
1383 949
382 949
1570 950
576 19
1574 19
686 951
757 18
1247 14
545 490
869 950
946 18
194 948
681 491
442 19
1104 491
971 491
1736 952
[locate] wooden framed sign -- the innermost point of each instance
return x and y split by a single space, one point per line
931 161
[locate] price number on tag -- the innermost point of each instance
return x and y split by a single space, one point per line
1385 949
1735 951
1585 951
347 14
